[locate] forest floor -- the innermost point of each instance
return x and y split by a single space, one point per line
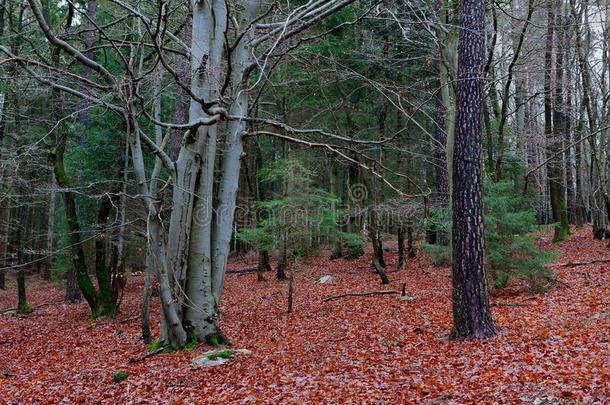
554 346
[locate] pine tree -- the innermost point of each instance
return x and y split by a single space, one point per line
471 315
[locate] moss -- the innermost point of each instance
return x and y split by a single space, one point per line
212 340
156 345
190 345
223 354
120 376
561 233
24 309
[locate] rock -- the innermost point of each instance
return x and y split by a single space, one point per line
205 362
218 357
324 279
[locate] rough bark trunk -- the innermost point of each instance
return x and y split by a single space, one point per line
22 306
282 261
377 261
471 314
4 200
106 305
5 216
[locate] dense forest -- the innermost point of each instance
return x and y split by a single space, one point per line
311 201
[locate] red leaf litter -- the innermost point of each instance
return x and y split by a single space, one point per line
553 346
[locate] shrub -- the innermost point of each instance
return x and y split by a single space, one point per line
509 244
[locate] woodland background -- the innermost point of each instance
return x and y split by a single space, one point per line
151 150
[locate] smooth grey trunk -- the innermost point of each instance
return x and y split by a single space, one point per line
448 40
231 163
176 336
149 272
146 295
195 275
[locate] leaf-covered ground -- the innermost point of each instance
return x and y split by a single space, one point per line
553 346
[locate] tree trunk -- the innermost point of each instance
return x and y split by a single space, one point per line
377 260
263 264
410 247
189 238
146 295
282 262
4 200
50 231
22 306
337 245
555 126
5 217
400 235
471 314
104 295
448 39
377 257
77 257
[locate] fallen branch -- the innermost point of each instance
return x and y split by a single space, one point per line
3 311
507 304
556 280
360 294
575 264
242 271
130 317
144 357
7 375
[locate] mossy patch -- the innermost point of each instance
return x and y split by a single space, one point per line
223 354
24 309
218 357
120 376
212 340
156 345
190 345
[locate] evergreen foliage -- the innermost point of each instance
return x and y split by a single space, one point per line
305 214
509 242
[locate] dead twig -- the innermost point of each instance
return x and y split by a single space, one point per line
145 356
242 271
3 311
507 304
360 294
130 317
575 264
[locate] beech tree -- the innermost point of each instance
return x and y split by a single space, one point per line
229 42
